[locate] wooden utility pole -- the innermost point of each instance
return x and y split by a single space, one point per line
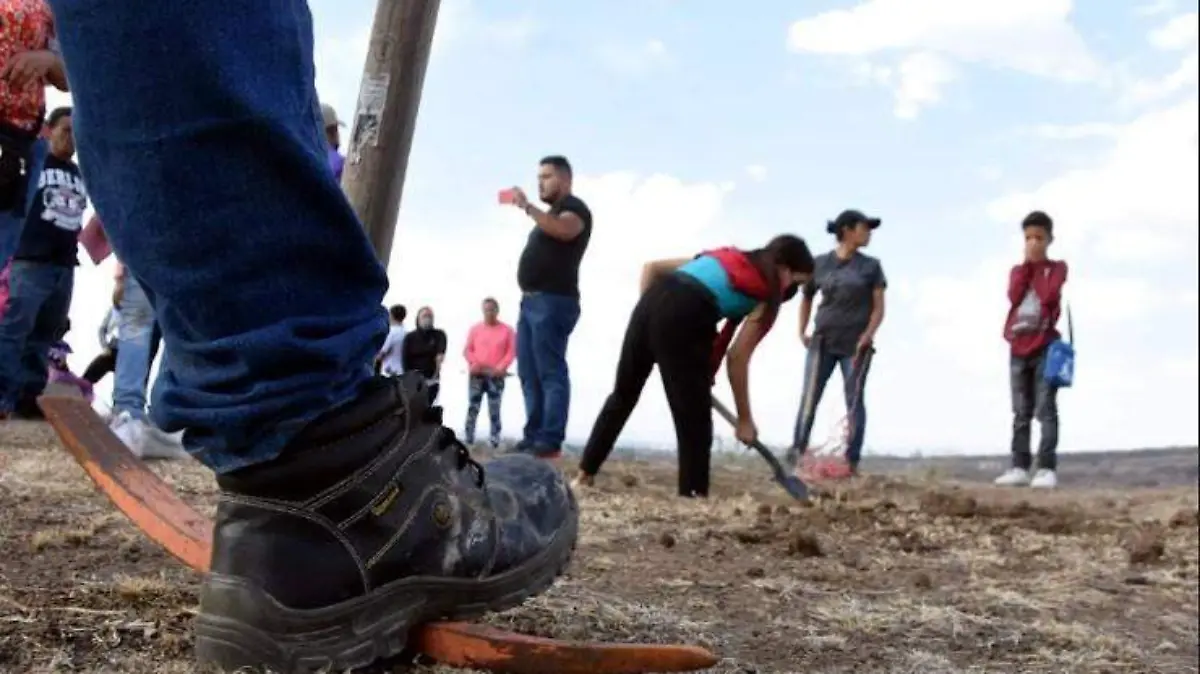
386 115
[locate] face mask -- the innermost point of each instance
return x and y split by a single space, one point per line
425 323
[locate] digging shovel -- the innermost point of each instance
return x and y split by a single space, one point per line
790 483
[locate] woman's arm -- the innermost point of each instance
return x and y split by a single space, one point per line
805 314
738 361
652 271
876 319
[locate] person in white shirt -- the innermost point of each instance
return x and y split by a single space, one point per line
390 361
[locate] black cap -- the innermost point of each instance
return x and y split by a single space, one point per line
850 218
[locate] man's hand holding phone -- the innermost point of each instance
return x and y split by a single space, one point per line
514 196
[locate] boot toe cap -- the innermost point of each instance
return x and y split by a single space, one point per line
533 503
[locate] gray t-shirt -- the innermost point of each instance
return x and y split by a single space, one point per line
846 287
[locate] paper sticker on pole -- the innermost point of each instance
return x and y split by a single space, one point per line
368 116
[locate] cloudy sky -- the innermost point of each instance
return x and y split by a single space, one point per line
702 123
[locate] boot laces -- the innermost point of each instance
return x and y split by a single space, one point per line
448 440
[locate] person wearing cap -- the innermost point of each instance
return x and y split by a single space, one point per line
852 285
333 136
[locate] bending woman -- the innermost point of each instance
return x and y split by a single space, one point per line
852 286
674 326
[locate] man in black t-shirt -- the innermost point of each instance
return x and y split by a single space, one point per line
43 268
548 275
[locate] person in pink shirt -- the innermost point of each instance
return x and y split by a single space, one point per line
490 351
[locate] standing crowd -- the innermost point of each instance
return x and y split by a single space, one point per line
317 417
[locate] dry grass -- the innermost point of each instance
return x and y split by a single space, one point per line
886 575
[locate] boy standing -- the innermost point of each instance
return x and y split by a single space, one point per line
42 277
1035 296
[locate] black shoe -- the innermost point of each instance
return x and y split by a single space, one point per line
544 451
522 447
27 409
374 521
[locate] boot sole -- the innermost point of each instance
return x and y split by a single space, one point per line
269 637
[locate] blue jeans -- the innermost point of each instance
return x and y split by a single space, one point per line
38 301
543 329
215 192
133 351
818 368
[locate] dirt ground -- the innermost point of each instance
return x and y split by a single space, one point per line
912 569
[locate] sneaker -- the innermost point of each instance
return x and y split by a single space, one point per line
522 447
157 444
1013 477
144 440
373 521
1044 479
131 432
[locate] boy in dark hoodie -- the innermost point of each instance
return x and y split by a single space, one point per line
1035 299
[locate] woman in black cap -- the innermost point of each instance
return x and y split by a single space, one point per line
852 286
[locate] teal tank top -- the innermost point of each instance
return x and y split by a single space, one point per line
709 272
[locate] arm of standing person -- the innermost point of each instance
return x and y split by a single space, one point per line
105 326
1049 289
406 352
807 292
1018 282
440 336
656 269
878 308
33 66
510 351
119 283
565 226
469 350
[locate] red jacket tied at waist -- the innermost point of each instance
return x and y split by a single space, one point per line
1035 302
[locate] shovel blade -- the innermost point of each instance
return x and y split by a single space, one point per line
795 487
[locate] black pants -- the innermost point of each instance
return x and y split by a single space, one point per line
672 326
1033 398
106 362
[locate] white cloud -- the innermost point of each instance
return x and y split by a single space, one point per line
756 172
1155 7
925 37
1178 33
919 81
1148 181
634 59
1075 131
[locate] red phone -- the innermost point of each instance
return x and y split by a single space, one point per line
507 196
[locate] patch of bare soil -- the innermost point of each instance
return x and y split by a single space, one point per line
888 574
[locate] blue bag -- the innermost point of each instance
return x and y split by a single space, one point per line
1059 367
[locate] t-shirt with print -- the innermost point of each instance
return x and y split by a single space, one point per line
548 265
25 25
54 210
846 299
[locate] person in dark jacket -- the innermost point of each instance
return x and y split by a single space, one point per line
424 350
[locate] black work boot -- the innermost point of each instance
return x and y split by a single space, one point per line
375 520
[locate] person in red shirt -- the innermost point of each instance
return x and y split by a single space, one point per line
1035 299
490 351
